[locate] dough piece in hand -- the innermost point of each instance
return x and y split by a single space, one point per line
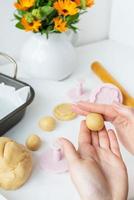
64 112
33 142
15 164
94 121
47 123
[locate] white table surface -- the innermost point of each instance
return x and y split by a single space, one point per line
119 60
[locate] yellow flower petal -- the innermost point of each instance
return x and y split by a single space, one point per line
24 4
59 25
34 26
90 3
66 7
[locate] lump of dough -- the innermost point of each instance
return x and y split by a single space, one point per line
94 121
47 123
64 112
33 142
15 164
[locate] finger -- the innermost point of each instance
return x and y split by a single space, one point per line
79 111
124 110
104 139
107 110
84 135
86 149
95 139
69 150
114 145
84 140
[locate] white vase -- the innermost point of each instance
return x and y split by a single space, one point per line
53 58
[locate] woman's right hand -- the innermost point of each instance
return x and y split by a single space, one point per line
122 117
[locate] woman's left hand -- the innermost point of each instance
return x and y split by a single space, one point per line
97 168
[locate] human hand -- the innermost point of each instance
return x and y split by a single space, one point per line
97 168
122 117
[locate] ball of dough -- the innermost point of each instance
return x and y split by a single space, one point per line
47 123
94 121
15 164
33 142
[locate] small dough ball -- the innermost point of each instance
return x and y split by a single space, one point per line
33 142
94 121
47 123
15 164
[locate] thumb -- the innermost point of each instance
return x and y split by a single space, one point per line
69 150
124 110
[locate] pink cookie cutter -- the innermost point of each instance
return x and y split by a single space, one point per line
106 94
78 93
53 160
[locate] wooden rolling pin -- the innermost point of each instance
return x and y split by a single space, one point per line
106 77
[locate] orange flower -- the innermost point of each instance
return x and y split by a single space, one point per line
66 7
24 4
78 2
59 24
90 3
34 26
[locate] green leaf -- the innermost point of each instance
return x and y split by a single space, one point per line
74 28
83 12
46 10
29 18
50 3
17 17
19 25
37 3
22 12
40 3
72 19
52 15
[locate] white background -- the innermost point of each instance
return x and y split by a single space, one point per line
117 58
94 26
122 22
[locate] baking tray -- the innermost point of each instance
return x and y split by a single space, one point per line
14 117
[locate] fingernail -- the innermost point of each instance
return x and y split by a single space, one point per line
110 130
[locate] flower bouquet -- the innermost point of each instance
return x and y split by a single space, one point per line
49 16
55 58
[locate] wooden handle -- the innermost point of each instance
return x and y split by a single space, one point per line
106 77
